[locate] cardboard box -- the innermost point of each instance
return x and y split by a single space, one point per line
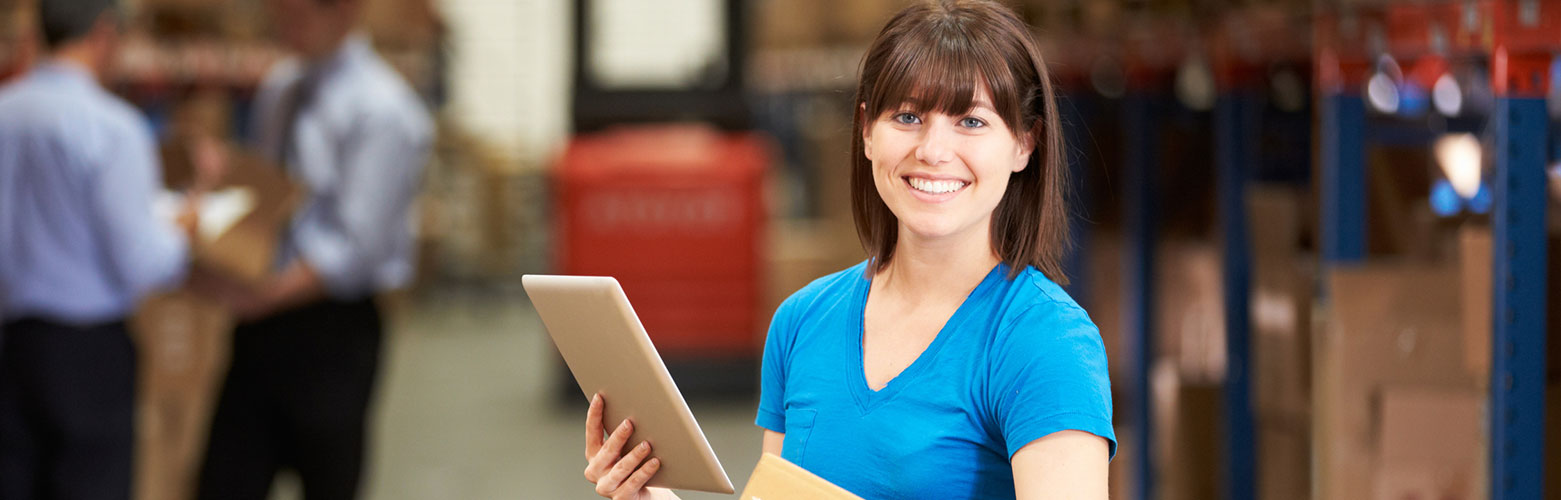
1415 483
1392 324
1281 375
801 251
247 250
776 479
790 24
1284 461
1189 316
1281 311
857 22
182 343
19 44
1474 244
403 24
1432 444
1191 459
1274 222
1429 424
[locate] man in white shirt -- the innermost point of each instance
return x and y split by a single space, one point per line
306 354
79 248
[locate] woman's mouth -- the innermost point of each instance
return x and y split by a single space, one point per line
931 186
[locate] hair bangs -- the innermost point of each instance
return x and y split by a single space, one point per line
943 70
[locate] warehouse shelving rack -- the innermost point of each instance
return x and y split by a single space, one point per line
1238 117
1520 38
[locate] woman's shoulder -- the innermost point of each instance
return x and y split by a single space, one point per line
1032 289
1038 308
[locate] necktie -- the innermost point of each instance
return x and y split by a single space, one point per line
298 96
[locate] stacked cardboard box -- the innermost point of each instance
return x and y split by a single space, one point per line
1189 323
19 43
182 341
1431 444
1395 345
1190 457
1281 304
801 251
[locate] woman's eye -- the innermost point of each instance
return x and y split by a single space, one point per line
906 118
972 122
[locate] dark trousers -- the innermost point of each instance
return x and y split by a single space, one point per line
296 396
67 402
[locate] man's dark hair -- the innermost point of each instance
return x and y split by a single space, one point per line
66 20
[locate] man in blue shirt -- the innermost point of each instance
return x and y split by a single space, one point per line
79 247
351 130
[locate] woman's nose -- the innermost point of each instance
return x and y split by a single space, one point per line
936 144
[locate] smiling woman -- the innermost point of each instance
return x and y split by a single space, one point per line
979 65
950 363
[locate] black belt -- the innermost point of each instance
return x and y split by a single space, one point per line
25 322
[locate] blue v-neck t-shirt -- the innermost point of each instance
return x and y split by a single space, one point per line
1017 361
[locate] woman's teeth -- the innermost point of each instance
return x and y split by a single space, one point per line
935 187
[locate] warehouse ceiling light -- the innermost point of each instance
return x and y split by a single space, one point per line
1447 95
1382 88
1459 157
1195 83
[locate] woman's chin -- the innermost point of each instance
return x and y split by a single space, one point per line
930 230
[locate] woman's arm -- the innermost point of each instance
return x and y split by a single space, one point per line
1062 465
773 441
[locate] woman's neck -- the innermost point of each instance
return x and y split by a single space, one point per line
927 268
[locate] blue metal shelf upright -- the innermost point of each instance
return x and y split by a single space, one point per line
1526 36
1141 205
1248 47
1235 125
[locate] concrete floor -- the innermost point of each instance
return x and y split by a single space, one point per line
467 409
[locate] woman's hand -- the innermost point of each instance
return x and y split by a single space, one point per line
617 475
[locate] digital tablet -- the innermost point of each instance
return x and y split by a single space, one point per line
608 351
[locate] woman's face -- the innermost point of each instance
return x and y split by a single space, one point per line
943 175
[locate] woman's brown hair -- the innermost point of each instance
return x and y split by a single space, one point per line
935 56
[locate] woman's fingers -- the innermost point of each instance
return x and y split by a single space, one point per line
613 481
636 482
609 452
593 426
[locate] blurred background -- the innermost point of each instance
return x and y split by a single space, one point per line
1319 237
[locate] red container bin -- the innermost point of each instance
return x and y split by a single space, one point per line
676 214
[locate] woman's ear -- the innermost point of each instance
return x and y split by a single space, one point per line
1026 146
867 128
